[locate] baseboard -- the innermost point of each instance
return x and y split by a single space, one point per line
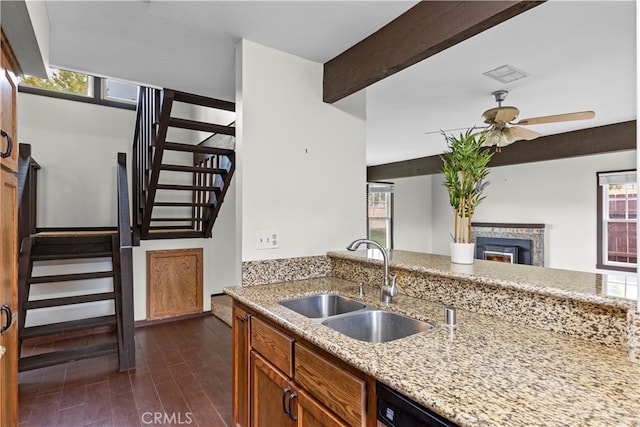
145 323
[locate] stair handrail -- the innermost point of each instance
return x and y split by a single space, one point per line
124 311
27 191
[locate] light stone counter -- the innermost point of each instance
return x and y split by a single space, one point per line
487 372
568 302
567 284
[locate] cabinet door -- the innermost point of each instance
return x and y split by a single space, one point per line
8 94
241 350
8 297
312 413
270 394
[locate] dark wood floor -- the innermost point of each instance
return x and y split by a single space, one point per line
182 377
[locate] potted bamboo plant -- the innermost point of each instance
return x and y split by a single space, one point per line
464 166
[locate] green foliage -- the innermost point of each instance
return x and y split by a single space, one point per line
464 166
61 81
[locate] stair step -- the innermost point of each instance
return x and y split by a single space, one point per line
204 101
160 233
71 246
69 277
192 169
78 299
188 187
71 326
64 356
161 219
190 148
201 126
184 204
70 255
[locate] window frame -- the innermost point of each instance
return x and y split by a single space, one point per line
390 211
601 234
97 95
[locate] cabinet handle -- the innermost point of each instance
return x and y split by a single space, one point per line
5 308
284 398
6 153
244 318
291 397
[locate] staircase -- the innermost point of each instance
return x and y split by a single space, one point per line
179 185
69 247
78 260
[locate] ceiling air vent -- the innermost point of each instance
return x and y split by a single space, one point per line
506 74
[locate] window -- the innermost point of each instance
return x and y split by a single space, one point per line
82 87
617 218
380 213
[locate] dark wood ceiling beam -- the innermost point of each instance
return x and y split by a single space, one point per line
424 30
584 142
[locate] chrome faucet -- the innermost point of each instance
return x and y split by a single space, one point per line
389 288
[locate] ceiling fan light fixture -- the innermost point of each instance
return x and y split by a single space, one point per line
506 74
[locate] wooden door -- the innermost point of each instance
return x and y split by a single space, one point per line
241 350
270 393
8 298
8 97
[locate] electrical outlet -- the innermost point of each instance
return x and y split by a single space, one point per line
267 239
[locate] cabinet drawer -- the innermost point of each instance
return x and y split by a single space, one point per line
339 390
273 345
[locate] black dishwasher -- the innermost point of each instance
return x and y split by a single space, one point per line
396 410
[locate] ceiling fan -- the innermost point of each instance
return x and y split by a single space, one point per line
502 131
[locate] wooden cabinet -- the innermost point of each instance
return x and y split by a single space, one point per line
8 98
241 348
8 241
278 401
290 382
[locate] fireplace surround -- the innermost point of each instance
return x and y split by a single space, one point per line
529 239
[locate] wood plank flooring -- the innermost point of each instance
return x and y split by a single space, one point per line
182 378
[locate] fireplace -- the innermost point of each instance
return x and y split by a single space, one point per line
527 238
514 251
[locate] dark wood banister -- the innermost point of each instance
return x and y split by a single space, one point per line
124 281
27 192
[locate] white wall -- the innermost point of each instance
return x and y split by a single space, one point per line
301 166
560 194
412 214
77 144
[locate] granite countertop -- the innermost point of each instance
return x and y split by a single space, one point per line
486 372
568 284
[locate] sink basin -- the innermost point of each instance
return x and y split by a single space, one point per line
377 326
323 305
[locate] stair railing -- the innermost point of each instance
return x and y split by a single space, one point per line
153 112
123 272
27 192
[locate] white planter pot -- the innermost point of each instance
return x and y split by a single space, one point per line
462 253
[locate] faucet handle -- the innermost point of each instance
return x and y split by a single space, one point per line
393 289
360 289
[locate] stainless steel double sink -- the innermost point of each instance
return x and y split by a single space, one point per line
354 318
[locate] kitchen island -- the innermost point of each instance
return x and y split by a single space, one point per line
490 370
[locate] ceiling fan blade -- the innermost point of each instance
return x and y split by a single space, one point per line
451 130
523 133
581 115
505 114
